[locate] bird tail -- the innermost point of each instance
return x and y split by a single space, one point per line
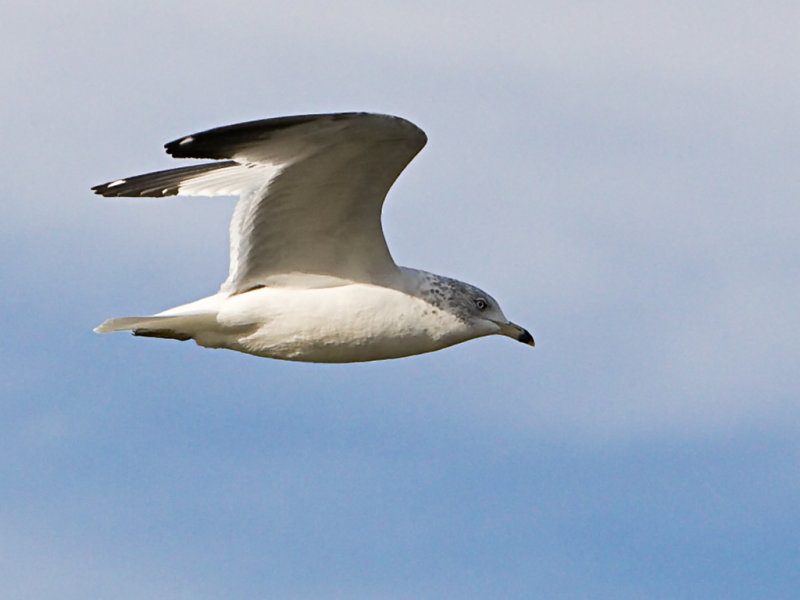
178 327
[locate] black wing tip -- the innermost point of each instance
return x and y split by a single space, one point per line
100 190
219 142
110 189
207 144
159 183
122 188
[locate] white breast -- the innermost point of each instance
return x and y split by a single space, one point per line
347 323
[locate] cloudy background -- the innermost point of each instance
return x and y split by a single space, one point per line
623 176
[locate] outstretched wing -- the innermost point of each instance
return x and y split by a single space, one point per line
312 188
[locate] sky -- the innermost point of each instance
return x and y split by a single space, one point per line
621 176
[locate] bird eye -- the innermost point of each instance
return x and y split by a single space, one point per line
481 303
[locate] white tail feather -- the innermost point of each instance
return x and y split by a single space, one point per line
179 327
125 324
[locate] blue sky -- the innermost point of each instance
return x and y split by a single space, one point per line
622 177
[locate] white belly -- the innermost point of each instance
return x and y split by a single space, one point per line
348 323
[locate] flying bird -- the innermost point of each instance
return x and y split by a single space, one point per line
311 277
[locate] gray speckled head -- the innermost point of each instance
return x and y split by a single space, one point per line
471 305
463 300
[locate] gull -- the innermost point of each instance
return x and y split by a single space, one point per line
311 277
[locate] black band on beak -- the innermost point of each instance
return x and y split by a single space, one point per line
525 338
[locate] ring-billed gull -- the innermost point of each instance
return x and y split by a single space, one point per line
311 278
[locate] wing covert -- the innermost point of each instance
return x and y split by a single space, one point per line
321 213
